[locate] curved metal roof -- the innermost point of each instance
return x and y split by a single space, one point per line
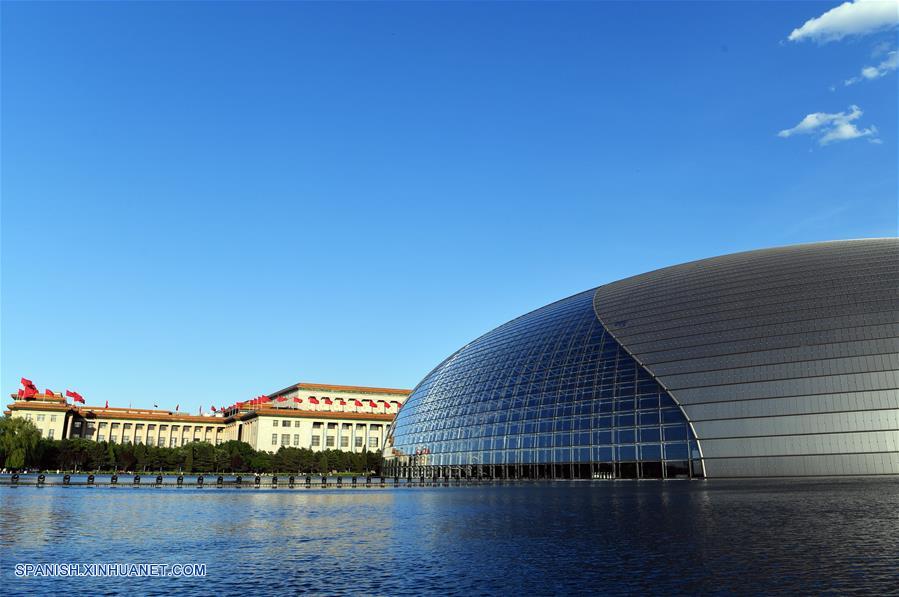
774 353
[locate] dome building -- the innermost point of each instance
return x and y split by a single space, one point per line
777 362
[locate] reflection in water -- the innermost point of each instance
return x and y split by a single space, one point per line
731 536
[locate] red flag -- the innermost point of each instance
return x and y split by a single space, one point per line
107 404
30 390
357 403
282 399
78 398
372 404
49 392
213 409
21 393
341 402
327 400
74 395
298 400
313 400
264 398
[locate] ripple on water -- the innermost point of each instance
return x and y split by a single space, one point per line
699 537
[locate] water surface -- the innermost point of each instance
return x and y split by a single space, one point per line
607 537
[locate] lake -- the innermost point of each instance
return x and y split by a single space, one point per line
782 536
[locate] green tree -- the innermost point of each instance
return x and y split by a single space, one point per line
172 459
240 456
307 460
359 462
373 462
96 456
125 457
140 457
323 464
187 452
75 453
109 461
204 457
288 460
19 440
261 462
159 458
340 461
222 459
49 455
236 463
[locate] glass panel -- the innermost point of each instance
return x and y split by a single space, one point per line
627 436
676 433
649 418
650 434
676 451
651 452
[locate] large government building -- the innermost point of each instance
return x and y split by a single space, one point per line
305 415
778 362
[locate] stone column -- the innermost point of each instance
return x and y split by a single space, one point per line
67 425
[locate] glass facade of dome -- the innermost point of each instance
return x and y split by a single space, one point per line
548 395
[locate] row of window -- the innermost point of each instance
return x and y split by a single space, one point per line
468 427
518 409
40 417
548 440
647 452
670 469
173 442
318 424
152 427
546 428
317 441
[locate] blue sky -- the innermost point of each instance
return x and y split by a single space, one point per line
204 202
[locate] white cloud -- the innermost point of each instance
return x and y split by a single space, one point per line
831 127
850 18
875 72
816 120
846 131
882 48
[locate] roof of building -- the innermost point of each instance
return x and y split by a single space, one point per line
337 388
113 413
99 412
119 413
40 405
314 414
